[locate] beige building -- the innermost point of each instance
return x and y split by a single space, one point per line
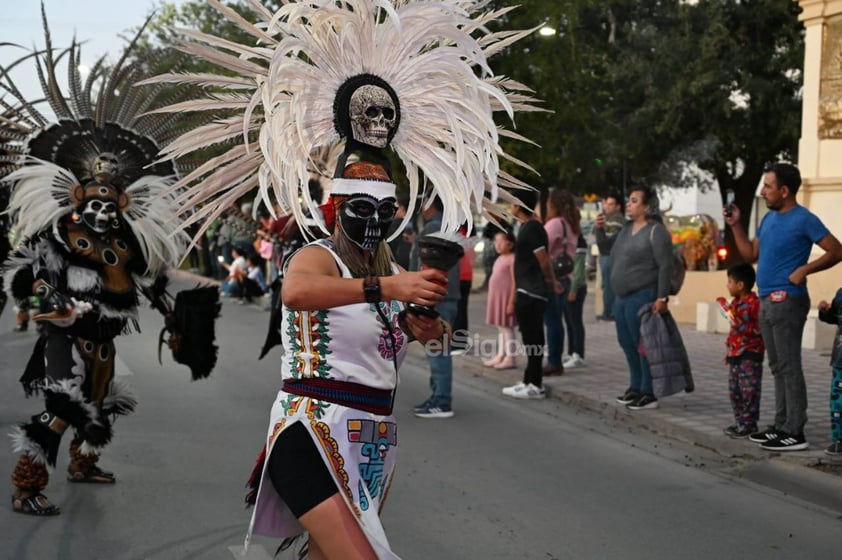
820 147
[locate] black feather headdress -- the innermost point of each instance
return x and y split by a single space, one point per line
52 144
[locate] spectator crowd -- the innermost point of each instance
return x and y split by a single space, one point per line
529 290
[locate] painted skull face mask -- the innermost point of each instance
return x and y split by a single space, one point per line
365 220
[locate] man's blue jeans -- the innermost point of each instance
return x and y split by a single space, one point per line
555 325
782 328
441 363
607 294
628 335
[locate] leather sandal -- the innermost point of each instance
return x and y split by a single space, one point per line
36 504
93 475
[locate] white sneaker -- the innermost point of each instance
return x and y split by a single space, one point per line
574 361
528 391
510 391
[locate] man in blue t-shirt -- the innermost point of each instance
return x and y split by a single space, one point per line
782 248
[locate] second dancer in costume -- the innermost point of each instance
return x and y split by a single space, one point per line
98 230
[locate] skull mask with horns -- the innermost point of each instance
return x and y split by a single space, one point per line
373 115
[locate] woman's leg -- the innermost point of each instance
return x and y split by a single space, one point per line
638 300
307 488
555 329
500 350
508 347
509 343
335 533
569 323
628 333
576 313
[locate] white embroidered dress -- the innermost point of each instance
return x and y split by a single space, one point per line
347 343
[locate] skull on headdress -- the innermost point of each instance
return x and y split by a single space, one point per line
367 111
373 115
106 167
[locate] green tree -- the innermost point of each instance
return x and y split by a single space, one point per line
646 87
637 89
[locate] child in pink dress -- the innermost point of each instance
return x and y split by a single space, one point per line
499 292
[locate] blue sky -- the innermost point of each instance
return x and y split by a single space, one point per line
99 23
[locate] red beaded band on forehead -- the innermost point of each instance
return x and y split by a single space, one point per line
367 171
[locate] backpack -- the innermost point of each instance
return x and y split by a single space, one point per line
679 267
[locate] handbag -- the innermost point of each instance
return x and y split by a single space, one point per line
562 263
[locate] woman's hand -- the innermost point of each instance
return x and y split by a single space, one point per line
424 329
426 287
571 296
659 306
510 308
558 288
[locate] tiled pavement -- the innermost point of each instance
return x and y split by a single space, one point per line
697 417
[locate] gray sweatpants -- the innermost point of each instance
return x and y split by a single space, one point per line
782 328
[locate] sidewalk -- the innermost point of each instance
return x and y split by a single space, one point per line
697 417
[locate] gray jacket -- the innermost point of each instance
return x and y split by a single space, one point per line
663 346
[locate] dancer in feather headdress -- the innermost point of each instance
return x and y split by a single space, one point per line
408 76
96 228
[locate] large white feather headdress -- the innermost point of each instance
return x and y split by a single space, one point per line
432 54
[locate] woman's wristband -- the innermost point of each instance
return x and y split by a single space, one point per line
371 289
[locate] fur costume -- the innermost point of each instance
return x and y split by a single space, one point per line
97 225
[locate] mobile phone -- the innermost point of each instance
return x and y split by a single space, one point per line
220 258
422 310
729 202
